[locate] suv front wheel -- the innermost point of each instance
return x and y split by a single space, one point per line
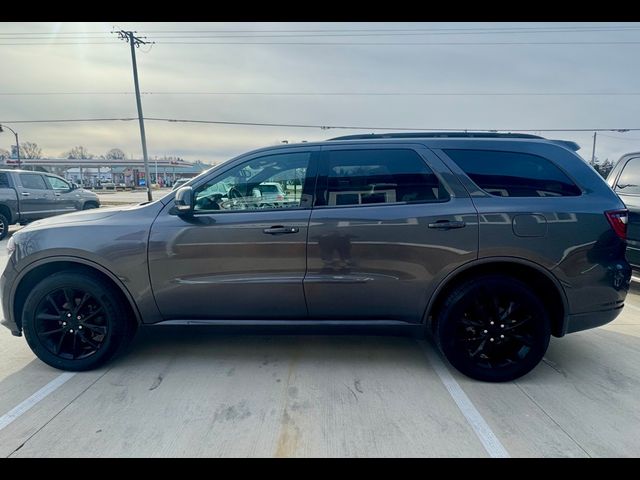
75 321
493 328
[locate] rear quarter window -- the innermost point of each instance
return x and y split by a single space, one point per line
514 174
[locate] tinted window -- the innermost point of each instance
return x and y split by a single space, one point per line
32 180
365 177
629 181
511 174
4 180
250 185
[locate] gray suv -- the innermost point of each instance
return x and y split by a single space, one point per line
490 242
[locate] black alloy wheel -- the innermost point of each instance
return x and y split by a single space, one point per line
493 328
75 320
71 323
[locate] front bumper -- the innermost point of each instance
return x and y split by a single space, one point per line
6 282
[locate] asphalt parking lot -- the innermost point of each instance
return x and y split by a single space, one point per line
198 392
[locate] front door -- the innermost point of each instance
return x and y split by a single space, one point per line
37 200
65 196
383 227
242 255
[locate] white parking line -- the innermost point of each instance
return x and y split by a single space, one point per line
481 428
26 405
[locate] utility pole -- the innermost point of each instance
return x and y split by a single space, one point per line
593 153
135 42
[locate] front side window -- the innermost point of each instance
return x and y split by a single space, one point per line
4 180
33 181
513 174
58 184
383 176
269 182
629 181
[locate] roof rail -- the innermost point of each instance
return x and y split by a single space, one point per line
368 136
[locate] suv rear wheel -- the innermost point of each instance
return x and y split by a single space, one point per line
75 321
493 328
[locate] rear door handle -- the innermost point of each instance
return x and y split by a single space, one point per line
447 224
279 229
25 194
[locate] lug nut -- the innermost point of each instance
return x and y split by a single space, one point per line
64 324
78 317
80 327
501 336
71 330
491 339
485 331
491 323
68 315
501 326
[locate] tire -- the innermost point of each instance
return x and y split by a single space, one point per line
494 307
89 205
50 320
4 226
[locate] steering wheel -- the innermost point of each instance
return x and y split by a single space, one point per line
234 194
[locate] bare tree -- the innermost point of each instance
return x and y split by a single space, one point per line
115 154
4 154
30 150
78 152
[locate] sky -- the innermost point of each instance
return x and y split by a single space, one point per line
457 83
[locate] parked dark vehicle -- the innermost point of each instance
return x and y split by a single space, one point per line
490 242
26 196
625 181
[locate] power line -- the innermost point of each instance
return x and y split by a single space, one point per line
405 44
324 127
634 139
474 44
363 94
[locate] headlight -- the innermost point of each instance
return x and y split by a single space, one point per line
11 246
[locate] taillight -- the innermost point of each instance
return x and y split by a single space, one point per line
619 220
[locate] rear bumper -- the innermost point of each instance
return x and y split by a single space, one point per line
585 321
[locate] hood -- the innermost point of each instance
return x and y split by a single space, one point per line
75 217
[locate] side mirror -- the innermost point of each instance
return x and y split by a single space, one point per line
184 200
73 186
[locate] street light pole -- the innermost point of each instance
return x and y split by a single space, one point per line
17 143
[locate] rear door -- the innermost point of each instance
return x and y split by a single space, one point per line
37 200
628 188
388 220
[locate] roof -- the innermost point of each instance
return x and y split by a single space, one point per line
367 136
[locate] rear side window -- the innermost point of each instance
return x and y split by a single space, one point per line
629 181
4 180
33 180
512 174
366 177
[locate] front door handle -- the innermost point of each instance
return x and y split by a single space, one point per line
25 194
447 224
279 229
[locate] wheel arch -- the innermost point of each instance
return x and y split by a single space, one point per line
6 211
31 274
541 280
